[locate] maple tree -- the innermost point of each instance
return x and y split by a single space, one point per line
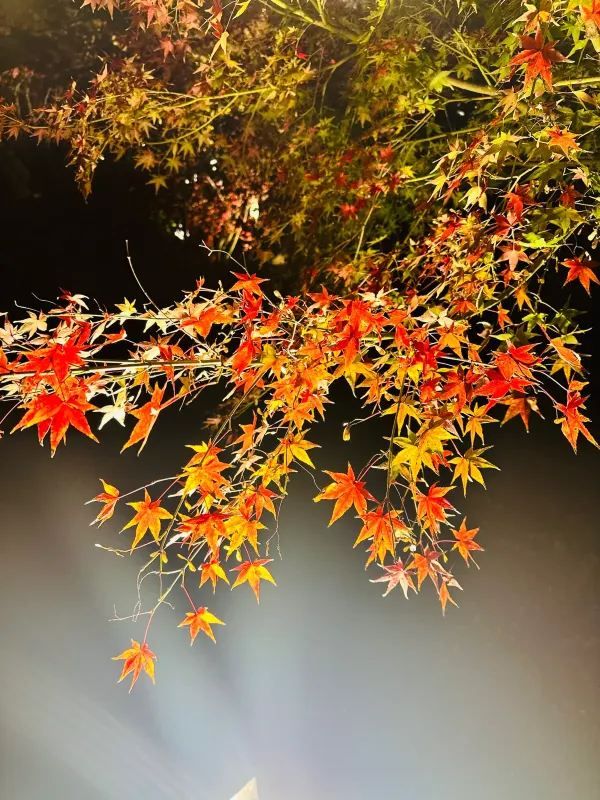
401 188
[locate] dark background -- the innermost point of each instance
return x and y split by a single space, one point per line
326 691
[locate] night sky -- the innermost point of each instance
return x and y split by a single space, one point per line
326 691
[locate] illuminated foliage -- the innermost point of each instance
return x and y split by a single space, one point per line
420 176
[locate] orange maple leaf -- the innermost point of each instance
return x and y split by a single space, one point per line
146 416
246 440
148 517
212 571
465 543
381 526
254 572
426 565
591 13
346 490
243 356
444 594
109 497
257 499
516 361
200 620
520 407
563 139
248 283
203 471
138 657
582 271
432 507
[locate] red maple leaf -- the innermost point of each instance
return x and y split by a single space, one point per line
55 411
582 271
516 360
572 422
56 359
537 58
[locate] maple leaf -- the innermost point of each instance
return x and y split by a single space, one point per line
497 386
468 467
248 283
256 499
246 440
253 572
212 571
516 361
57 358
54 412
537 59
421 448
201 320
138 657
521 407
513 254
477 419
109 497
432 507
200 620
572 422
243 356
148 516
427 566
209 526
582 271
591 13
382 527
395 575
347 491
203 471
444 593
465 543
568 359
240 528
295 446
563 140
146 416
